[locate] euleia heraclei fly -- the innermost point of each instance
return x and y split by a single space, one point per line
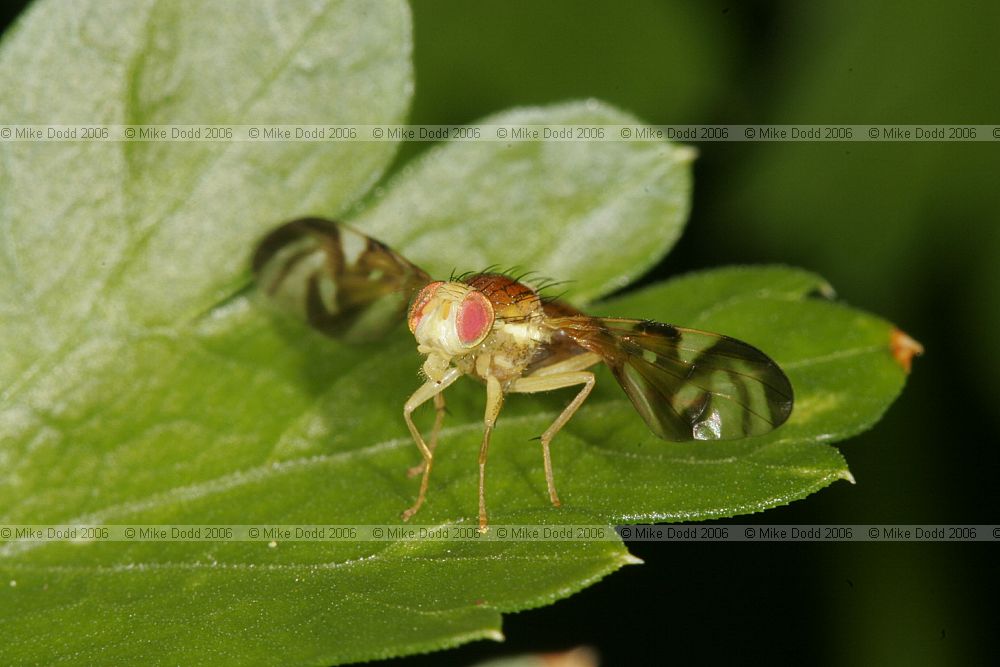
686 384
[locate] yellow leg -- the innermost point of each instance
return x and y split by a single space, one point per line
427 391
494 401
557 378
435 431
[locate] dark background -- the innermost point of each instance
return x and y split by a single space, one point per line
907 230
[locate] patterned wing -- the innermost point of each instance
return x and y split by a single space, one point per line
345 284
688 384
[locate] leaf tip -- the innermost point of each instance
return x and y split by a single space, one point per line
685 153
904 349
629 559
847 476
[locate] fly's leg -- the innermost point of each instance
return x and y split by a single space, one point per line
547 383
427 391
435 431
558 376
494 401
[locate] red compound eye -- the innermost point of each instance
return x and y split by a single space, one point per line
475 318
419 303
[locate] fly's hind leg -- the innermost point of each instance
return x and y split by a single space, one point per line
566 373
428 390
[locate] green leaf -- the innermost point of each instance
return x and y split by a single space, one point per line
837 358
334 449
103 233
596 214
135 390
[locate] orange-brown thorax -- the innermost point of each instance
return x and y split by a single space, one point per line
487 324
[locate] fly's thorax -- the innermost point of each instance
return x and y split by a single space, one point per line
513 345
507 351
450 319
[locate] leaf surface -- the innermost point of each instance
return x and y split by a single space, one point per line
136 388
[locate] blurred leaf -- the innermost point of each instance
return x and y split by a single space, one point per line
596 214
107 233
577 657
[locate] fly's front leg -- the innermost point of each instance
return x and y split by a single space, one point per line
435 431
554 379
428 390
494 401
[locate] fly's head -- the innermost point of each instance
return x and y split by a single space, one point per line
449 319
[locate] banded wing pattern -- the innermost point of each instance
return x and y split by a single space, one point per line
343 283
688 384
